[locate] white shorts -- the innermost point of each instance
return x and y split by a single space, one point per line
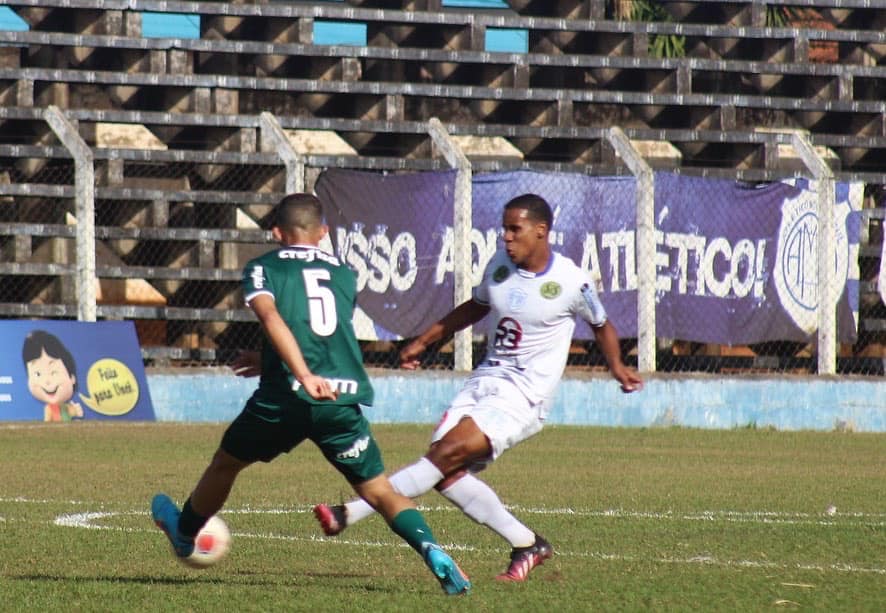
499 409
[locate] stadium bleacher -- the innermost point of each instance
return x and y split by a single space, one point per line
184 183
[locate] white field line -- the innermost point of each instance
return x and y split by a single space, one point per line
92 520
87 520
838 518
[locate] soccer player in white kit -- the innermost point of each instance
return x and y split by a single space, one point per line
532 295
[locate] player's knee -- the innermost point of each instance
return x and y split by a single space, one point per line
450 479
450 456
223 462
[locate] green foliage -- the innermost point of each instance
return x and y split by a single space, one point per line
660 45
642 519
776 16
780 16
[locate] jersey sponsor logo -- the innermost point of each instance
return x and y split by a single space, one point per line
550 290
307 255
516 299
501 273
258 277
342 386
354 451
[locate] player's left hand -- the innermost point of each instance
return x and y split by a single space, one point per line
319 388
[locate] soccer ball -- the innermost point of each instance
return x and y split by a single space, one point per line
211 544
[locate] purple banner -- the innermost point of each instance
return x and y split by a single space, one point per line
734 264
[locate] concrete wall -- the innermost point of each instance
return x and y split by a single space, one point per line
841 403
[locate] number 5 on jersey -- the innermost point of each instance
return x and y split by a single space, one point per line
321 301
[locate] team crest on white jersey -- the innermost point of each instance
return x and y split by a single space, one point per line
551 289
516 299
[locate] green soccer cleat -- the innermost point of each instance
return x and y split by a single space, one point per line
166 515
451 577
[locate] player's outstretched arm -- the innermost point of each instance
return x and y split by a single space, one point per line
459 318
607 339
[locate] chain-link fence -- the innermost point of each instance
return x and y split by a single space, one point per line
698 274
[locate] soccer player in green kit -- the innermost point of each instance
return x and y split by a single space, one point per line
312 386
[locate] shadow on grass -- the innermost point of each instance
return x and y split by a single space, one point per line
350 580
142 580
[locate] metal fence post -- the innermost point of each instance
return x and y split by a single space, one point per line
274 139
84 200
826 276
462 223
645 246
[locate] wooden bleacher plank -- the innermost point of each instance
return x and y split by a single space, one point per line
456 18
138 233
550 60
842 4
187 273
421 90
404 164
403 127
128 312
844 91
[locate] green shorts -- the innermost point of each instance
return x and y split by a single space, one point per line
266 428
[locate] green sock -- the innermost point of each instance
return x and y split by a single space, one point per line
410 525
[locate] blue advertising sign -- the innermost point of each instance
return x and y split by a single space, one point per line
68 370
735 263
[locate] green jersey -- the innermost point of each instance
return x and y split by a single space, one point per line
315 295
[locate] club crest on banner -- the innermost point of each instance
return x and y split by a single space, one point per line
796 265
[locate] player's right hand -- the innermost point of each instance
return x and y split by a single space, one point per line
630 381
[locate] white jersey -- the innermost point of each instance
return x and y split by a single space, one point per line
532 319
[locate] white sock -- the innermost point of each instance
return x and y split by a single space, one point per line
411 481
479 502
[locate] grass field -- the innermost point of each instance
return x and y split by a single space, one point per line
642 519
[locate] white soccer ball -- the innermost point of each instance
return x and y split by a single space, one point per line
210 545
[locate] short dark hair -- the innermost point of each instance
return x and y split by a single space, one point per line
39 341
536 207
298 212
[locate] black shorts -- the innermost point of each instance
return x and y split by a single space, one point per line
265 429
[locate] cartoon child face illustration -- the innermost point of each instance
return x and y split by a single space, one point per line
49 379
52 375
